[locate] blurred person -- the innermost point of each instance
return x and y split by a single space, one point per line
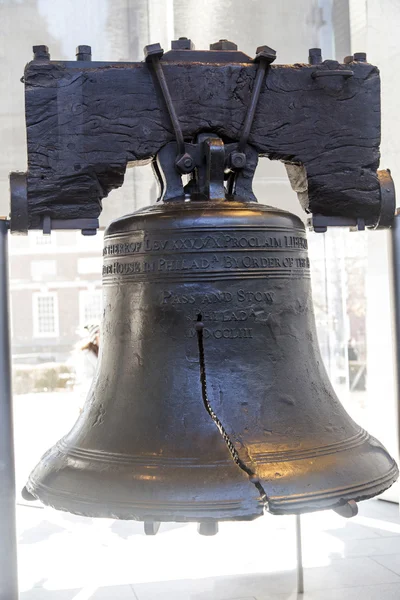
85 362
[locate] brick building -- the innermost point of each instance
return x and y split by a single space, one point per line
55 291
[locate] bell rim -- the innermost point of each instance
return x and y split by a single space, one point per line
303 503
190 512
179 512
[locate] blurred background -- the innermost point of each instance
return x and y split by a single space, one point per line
56 281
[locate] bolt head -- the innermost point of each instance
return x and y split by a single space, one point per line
84 52
315 56
184 163
223 45
266 53
182 44
41 52
153 50
83 49
360 56
238 160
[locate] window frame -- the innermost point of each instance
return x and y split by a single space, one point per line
82 304
35 311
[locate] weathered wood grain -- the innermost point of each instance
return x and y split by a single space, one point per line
86 121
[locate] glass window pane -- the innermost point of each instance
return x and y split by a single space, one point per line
45 316
90 307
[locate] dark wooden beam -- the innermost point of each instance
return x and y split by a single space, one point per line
87 121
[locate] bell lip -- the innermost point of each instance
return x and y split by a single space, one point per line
304 503
165 512
237 511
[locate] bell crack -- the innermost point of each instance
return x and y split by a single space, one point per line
231 447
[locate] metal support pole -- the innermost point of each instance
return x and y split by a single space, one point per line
396 305
8 535
299 556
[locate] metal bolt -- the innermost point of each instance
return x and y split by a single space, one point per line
84 53
238 160
184 163
183 43
265 52
223 45
153 50
315 56
41 53
360 56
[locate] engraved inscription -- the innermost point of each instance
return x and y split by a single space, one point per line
258 296
215 242
223 316
219 253
171 297
226 314
227 333
226 262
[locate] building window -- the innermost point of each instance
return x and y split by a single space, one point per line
39 239
90 307
41 269
90 264
45 314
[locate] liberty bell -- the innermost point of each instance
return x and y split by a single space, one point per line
211 401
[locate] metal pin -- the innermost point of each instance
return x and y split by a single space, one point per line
27 495
207 528
151 527
348 510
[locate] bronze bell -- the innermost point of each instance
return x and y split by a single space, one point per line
211 401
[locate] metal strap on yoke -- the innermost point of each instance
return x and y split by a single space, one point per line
264 57
153 53
184 162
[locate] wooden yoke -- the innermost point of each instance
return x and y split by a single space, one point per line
87 121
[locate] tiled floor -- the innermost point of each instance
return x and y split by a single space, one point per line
63 557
